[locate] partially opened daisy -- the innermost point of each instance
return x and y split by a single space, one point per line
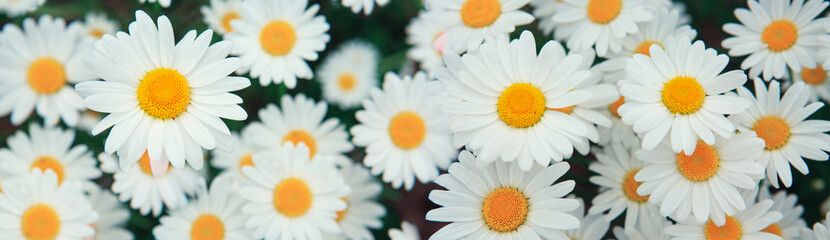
275 38
231 162
428 36
112 216
469 22
41 62
591 226
776 34
600 23
366 5
96 25
502 99
299 120
36 207
220 13
289 196
705 184
790 225
744 225
680 90
820 231
163 3
816 78
215 214
348 73
408 231
502 201
405 135
780 121
165 99
363 212
19 7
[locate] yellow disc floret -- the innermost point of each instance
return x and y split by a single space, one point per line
774 229
292 197
645 46
814 76
604 11
246 160
144 163
780 35
278 38
40 222
346 81
614 106
480 13
683 95
407 130
226 21
46 76
701 165
342 213
629 187
298 136
47 162
163 93
521 105
731 230
505 209
774 130
207 227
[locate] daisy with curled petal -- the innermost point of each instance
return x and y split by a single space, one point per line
819 232
408 231
405 135
220 13
231 162
501 96
705 184
428 35
780 121
40 64
502 201
790 225
275 38
165 99
362 212
366 5
816 78
96 25
112 216
680 90
36 207
163 3
19 7
348 73
744 225
600 23
289 196
470 22
215 214
591 226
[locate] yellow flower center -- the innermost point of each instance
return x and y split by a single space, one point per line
292 197
629 187
163 93
407 130
614 106
505 209
278 38
246 160
47 162
774 130
346 81
644 47
144 163
814 76
40 222
701 165
480 13
521 105
301 136
226 21
603 11
780 35
97 33
46 76
774 229
342 213
731 230
207 227
683 95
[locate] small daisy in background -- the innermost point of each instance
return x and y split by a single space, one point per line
744 225
112 216
819 232
780 121
816 78
428 36
14 8
404 133
168 100
215 214
776 34
599 23
363 213
502 201
163 3
41 62
366 5
231 162
96 25
275 38
591 226
408 231
790 225
470 22
220 13
543 11
348 73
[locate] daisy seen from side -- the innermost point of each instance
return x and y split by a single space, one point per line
348 73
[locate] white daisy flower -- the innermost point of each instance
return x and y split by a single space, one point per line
215 214
502 96
112 216
48 148
502 201
348 73
40 64
366 5
591 226
680 89
600 23
96 25
618 132
289 197
408 231
780 121
469 22
776 34
37 207
220 14
544 10
362 212
790 225
405 135
163 3
163 98
14 8
706 183
819 232
299 120
240 155
146 192
744 225
650 229
816 78
427 34
275 38
617 167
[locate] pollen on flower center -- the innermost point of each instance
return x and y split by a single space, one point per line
604 11
701 165
774 130
144 163
298 136
814 76
521 105
773 229
163 93
480 13
505 209
292 197
246 160
226 21
46 76
207 227
613 107
780 35
644 47
683 95
40 222
731 230
342 213
47 162
629 187
346 81
278 38
407 130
